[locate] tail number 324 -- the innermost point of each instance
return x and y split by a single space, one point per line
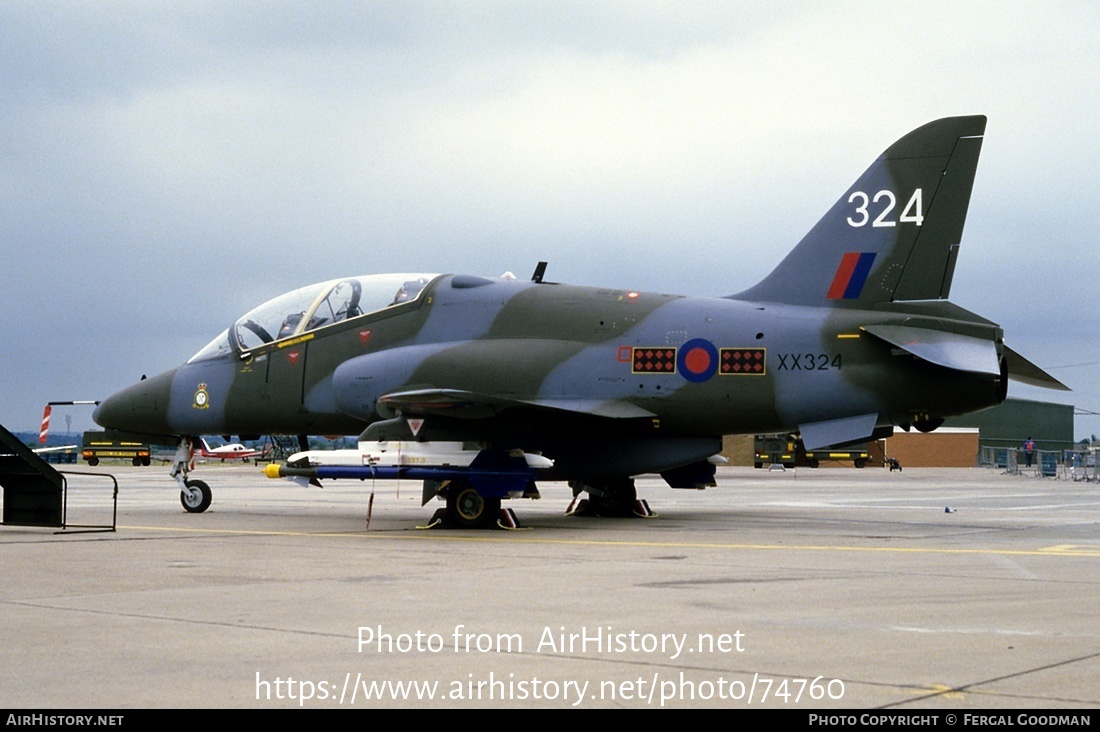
885 202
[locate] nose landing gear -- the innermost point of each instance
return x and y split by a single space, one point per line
195 495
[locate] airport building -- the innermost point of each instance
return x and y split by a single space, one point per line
1008 424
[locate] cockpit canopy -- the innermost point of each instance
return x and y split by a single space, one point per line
313 307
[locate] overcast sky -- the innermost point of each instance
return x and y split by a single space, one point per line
164 167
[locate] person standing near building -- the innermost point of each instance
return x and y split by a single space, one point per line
1029 451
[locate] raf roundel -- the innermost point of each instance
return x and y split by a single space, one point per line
697 360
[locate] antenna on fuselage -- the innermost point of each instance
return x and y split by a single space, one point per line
540 270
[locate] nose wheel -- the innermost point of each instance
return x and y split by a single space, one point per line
195 496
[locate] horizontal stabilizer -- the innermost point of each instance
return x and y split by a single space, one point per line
942 348
816 435
1024 371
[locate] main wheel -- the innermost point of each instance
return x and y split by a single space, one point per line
468 509
860 463
615 497
196 498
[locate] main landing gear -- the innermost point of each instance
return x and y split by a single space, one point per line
468 509
615 498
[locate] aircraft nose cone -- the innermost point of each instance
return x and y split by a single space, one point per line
142 407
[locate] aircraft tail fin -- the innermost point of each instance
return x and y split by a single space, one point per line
894 235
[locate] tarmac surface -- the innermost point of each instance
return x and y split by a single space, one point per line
805 589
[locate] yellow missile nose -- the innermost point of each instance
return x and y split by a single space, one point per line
271 470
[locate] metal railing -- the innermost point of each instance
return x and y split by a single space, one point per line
70 528
1079 464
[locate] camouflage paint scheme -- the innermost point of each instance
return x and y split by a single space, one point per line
850 335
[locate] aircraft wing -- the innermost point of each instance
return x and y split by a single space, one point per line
470 405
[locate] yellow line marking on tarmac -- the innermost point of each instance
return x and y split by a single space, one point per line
1086 551
947 692
1061 550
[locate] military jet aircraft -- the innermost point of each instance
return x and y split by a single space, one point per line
481 386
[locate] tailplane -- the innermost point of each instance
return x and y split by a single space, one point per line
894 235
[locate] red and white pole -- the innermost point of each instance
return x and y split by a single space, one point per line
45 425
